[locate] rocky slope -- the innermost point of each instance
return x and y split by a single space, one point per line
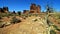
32 25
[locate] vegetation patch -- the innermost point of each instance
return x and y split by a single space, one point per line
52 32
15 20
56 28
35 20
0 17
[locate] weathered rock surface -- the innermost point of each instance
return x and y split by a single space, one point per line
29 26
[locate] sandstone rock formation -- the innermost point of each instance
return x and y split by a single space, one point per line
1 10
4 10
35 9
25 11
38 9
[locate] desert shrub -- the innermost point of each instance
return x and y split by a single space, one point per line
10 14
36 14
19 12
35 20
59 22
22 15
29 15
52 32
7 14
49 22
1 24
56 28
59 17
4 15
14 12
15 20
26 16
0 17
4 24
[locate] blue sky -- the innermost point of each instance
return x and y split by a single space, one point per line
20 5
